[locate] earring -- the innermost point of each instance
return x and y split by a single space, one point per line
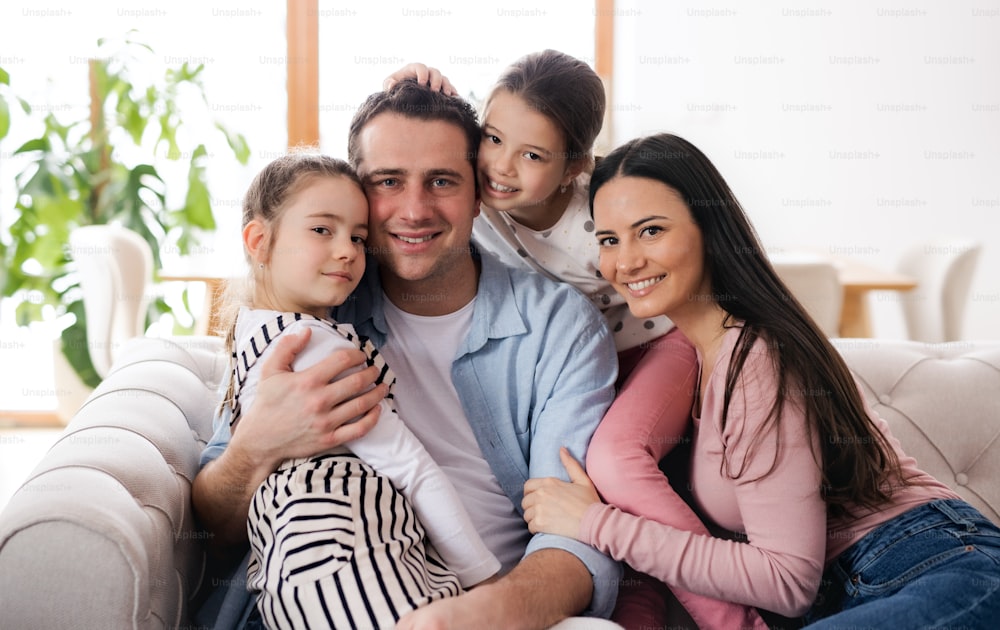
260 265
562 188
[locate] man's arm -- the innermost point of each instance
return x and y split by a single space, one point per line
558 577
580 374
295 414
524 598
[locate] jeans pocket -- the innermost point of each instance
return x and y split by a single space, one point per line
905 563
986 542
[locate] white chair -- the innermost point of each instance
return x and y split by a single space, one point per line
934 310
815 283
115 267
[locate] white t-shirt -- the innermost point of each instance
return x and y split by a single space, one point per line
421 351
567 252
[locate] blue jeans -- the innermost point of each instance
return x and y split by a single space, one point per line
935 566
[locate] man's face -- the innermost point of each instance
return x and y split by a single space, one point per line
422 197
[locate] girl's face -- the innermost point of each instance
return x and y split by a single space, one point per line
522 160
651 249
316 256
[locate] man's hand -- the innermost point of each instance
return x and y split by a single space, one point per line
554 506
295 414
546 587
300 414
443 614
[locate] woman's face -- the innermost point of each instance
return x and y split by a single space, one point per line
651 249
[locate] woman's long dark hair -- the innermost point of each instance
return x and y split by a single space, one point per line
855 458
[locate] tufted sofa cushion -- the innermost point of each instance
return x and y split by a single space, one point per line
943 403
102 536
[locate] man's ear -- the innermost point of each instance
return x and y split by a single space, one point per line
255 239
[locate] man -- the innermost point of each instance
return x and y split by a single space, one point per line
496 370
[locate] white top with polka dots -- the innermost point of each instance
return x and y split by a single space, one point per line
567 252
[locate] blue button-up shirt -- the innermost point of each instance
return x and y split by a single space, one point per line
536 371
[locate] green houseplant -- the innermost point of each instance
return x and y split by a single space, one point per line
109 168
6 94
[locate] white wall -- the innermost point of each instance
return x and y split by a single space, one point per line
853 127
470 42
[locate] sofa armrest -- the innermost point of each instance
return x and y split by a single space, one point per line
102 531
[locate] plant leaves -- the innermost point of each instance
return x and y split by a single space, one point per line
132 118
76 348
187 74
77 175
237 142
35 144
197 209
134 202
28 311
4 118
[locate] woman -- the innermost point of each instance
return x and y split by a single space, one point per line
786 456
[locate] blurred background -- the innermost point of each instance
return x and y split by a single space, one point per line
851 130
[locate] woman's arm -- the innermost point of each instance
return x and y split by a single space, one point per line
780 565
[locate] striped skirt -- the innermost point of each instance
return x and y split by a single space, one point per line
335 545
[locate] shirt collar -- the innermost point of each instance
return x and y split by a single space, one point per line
496 315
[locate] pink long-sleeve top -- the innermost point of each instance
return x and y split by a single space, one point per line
787 537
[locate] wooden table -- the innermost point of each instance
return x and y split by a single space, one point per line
858 279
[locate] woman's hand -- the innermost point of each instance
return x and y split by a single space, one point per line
553 506
425 75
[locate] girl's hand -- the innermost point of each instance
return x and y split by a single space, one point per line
425 75
553 506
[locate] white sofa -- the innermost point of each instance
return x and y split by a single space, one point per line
102 536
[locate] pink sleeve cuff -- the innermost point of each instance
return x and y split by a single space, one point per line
590 524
